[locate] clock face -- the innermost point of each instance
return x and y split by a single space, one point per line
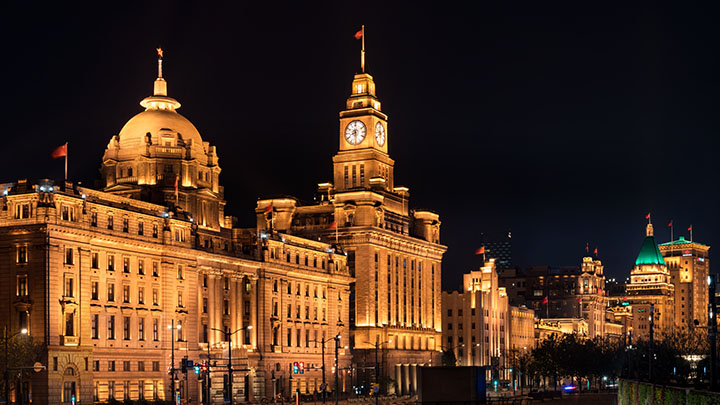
355 132
380 134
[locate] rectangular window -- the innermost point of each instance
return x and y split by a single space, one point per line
68 290
126 225
96 365
110 222
22 255
111 327
180 272
156 334
95 318
180 330
93 218
289 337
68 256
141 328
155 269
180 299
111 292
126 294
111 263
94 260
126 365
204 305
141 366
155 296
126 265
155 366
141 295
141 228
141 267
155 231
94 290
22 285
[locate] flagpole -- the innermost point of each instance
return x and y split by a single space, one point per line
362 52
66 156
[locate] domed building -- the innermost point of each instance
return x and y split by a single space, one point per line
160 157
650 291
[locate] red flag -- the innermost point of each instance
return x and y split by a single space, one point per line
358 34
647 216
60 151
670 224
595 252
690 229
333 225
480 251
579 300
587 247
545 300
269 208
624 299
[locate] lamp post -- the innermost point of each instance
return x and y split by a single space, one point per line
337 368
377 367
324 385
228 336
172 328
7 373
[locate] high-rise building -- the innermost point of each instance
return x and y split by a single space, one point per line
393 251
650 292
499 247
688 263
479 325
119 283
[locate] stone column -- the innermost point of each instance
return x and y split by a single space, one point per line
413 378
238 314
398 379
253 312
212 316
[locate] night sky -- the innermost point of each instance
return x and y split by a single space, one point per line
564 125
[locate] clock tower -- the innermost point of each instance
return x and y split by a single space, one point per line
363 156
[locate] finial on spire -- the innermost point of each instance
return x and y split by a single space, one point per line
160 57
361 35
160 86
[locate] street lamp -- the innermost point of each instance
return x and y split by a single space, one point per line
377 367
324 385
172 328
228 336
337 367
7 373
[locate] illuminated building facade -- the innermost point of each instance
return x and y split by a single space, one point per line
650 287
480 327
393 252
115 282
561 292
688 263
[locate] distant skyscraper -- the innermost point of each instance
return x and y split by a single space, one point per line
499 247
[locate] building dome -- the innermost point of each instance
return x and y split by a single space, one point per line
159 156
163 126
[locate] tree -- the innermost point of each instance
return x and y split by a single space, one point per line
448 358
23 351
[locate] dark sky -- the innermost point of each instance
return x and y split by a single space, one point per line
563 123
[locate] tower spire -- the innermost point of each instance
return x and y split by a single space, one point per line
160 56
160 87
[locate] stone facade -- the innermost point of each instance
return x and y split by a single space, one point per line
393 251
116 283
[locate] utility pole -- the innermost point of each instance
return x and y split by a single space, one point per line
712 332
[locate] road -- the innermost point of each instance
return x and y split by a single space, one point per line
605 398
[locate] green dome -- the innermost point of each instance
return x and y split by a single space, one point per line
649 253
